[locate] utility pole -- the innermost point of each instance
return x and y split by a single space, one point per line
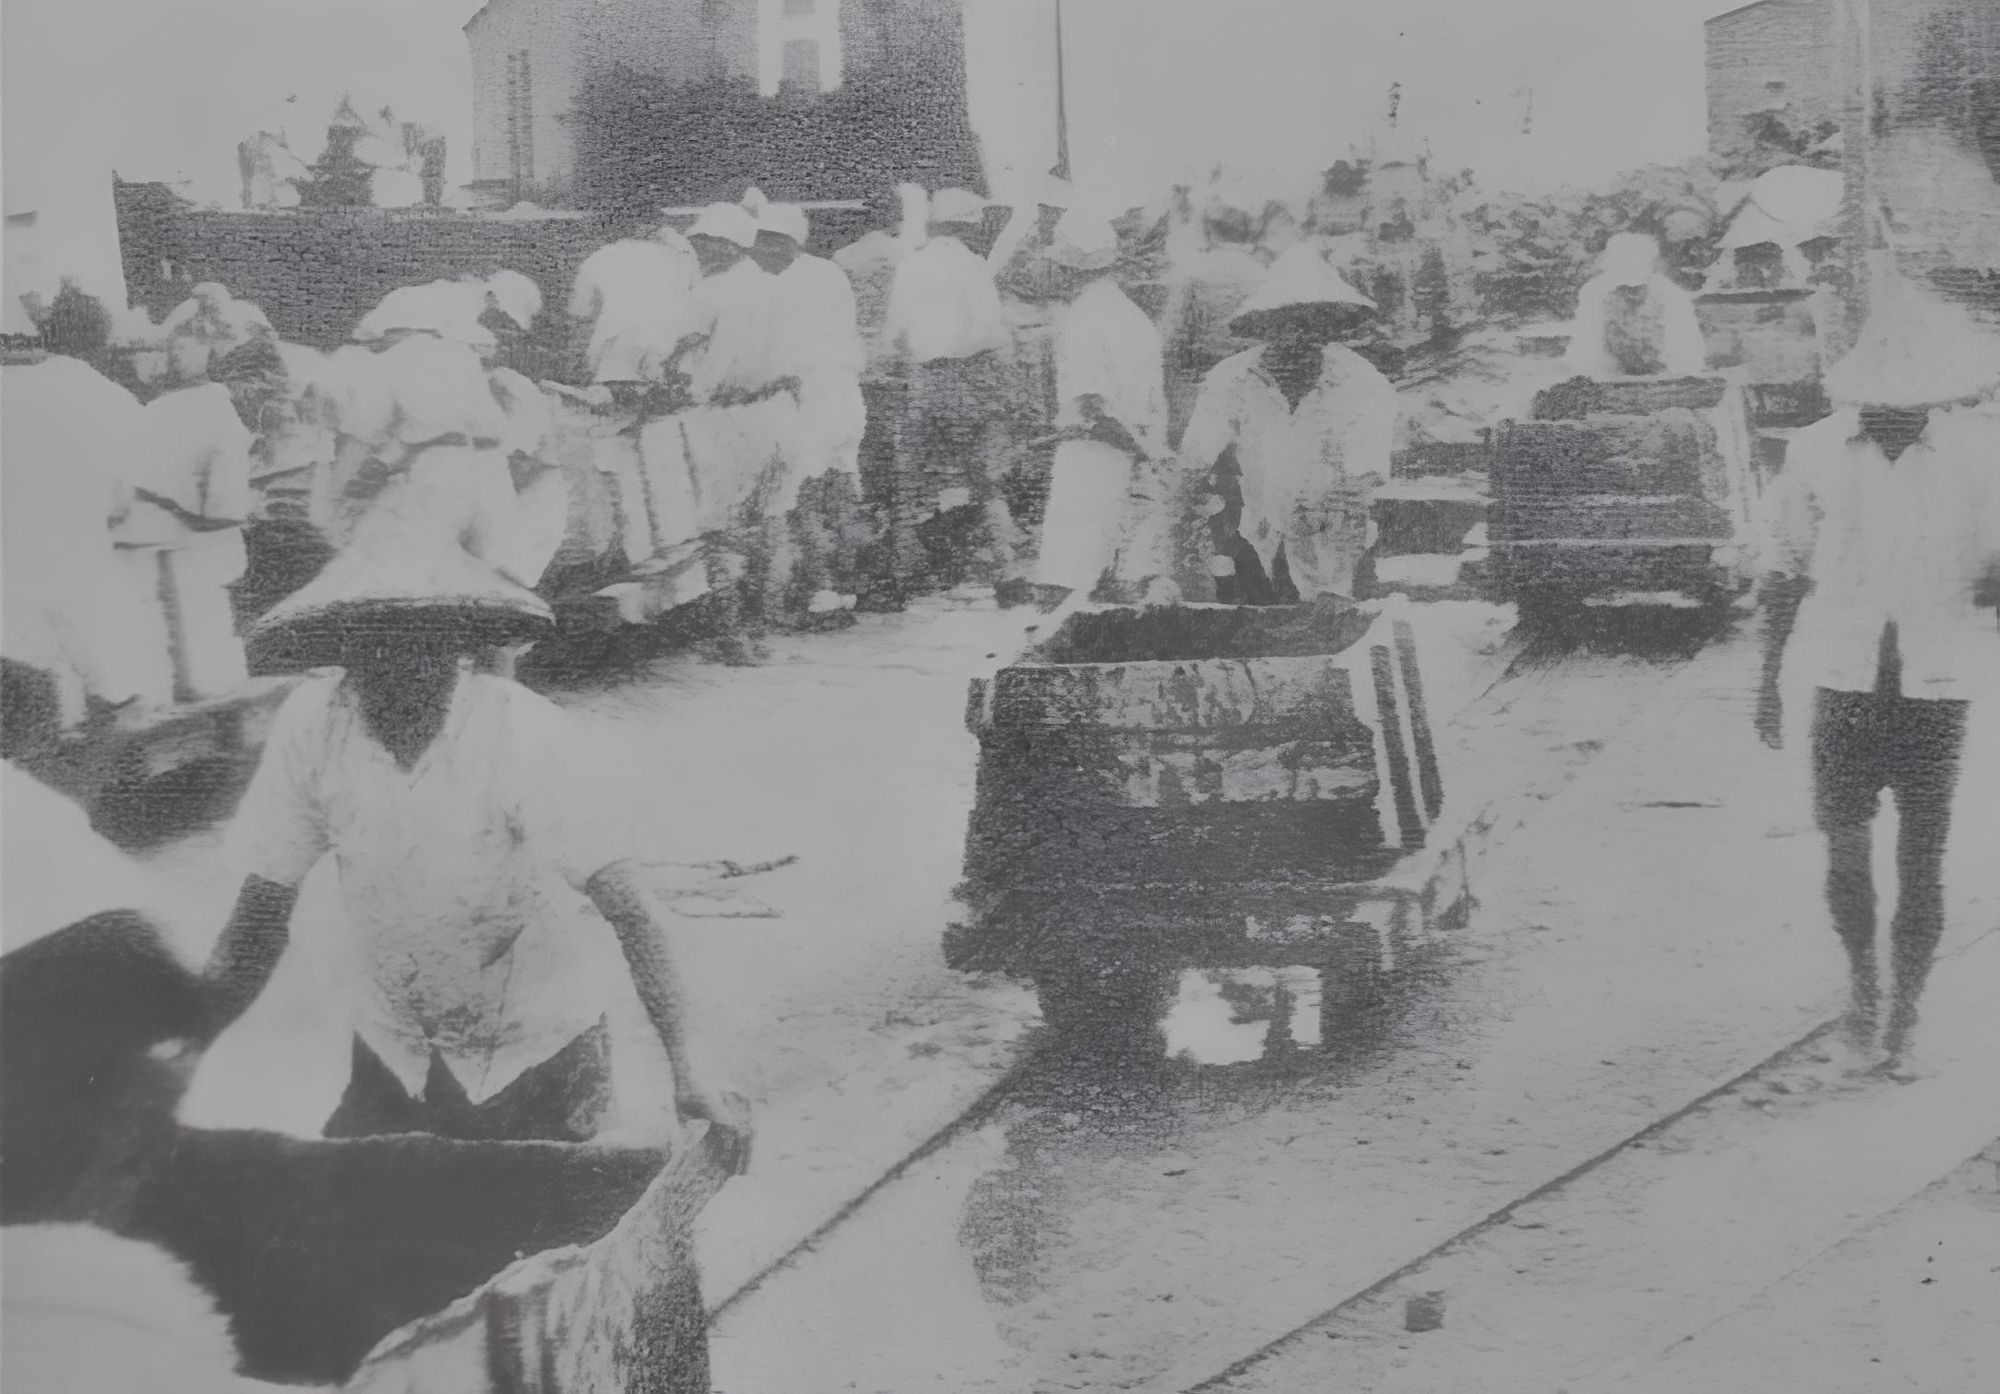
1061 170
1852 23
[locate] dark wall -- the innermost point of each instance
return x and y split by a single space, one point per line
316 273
644 140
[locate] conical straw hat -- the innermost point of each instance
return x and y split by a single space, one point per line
1303 278
394 581
1915 350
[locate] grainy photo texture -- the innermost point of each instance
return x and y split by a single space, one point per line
775 696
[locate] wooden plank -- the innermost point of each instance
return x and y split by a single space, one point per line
1190 696
1428 777
1581 397
1610 517
1392 738
1673 452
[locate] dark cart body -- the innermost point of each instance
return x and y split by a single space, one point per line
317 1251
1639 491
1205 786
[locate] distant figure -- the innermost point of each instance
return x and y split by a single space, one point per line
739 432
870 263
1885 546
1112 422
638 302
72 626
819 343
183 540
1632 320
1301 430
945 316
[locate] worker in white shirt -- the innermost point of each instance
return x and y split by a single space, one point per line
488 906
1885 550
74 637
1300 430
1112 423
897 225
819 336
1033 287
183 538
1632 320
739 432
640 302
946 317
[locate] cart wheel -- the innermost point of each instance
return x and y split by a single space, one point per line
1106 1003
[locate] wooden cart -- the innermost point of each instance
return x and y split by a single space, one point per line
1205 786
1621 493
388 1265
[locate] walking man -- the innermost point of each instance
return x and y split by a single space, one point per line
1112 423
1885 540
819 340
487 906
945 315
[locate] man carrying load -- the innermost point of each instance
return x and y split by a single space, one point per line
1300 429
492 916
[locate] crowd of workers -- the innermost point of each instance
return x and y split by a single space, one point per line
789 435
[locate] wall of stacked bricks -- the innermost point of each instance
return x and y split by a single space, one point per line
316 275
1792 41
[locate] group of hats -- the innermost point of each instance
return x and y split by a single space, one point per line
742 223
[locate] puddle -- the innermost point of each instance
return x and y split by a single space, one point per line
1237 1015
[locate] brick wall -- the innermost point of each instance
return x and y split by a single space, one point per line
316 273
1790 41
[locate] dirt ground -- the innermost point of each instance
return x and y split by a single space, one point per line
1648 928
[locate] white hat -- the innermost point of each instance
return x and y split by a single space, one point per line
396 576
1914 351
1084 243
1302 278
1630 258
726 222
950 206
786 220
518 298
448 309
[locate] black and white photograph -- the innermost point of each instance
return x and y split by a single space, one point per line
1000 696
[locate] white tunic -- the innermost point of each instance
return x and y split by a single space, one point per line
1300 468
944 304
1660 336
1105 348
71 439
196 455
739 451
819 343
639 297
461 878
1907 541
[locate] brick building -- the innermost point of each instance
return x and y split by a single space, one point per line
538 67
1775 56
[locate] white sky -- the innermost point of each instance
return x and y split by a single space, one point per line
165 88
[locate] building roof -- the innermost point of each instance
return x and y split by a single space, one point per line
1757 5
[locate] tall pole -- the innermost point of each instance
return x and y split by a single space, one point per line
1061 170
1857 142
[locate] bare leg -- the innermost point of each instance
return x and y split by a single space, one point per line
1850 896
